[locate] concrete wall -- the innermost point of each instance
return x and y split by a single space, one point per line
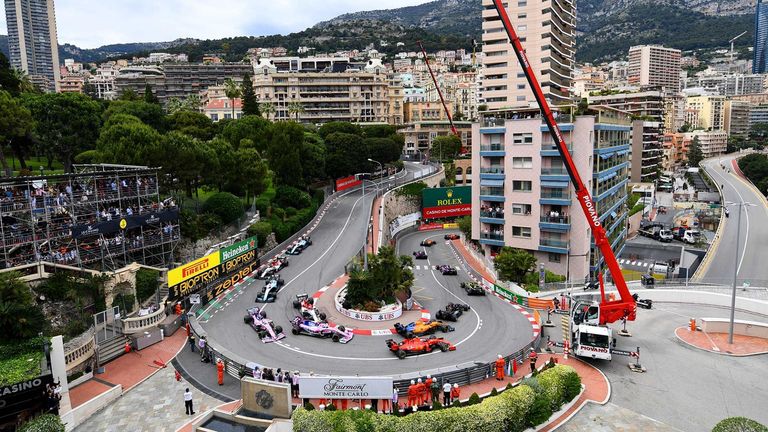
759 307
266 397
395 205
80 414
740 327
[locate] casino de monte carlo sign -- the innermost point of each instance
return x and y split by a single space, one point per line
446 202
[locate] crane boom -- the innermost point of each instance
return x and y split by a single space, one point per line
610 311
440 94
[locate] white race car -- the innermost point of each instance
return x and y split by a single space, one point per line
273 266
302 243
306 305
269 292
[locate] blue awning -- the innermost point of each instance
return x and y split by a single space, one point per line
554 184
614 214
607 176
623 152
491 183
605 155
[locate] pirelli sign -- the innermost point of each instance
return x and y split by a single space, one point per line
211 270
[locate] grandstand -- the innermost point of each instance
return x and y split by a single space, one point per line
101 217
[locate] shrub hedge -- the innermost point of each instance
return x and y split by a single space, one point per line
739 424
510 411
43 423
224 205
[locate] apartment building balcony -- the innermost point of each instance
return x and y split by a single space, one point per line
492 150
492 239
553 246
555 197
491 173
558 174
492 126
491 216
555 223
495 194
550 150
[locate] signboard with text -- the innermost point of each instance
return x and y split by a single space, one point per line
347 182
446 202
345 387
195 269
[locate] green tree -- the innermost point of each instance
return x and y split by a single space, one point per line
131 142
183 158
513 264
465 225
66 123
255 129
9 81
252 171
445 147
194 124
313 155
233 91
286 140
695 156
378 131
150 97
387 275
219 170
250 104
15 122
344 127
128 95
346 155
457 115
739 424
382 150
150 114
20 317
225 205
268 109
296 109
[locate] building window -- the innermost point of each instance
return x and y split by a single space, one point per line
522 27
522 3
521 209
522 162
227 116
215 117
554 258
522 16
521 86
522 139
521 74
521 98
524 232
521 185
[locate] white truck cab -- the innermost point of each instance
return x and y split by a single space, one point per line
592 341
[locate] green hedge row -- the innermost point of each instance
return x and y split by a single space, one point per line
43 423
739 424
512 410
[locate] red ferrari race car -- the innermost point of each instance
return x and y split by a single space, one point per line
416 346
452 236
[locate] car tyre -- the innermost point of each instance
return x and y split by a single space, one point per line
400 354
296 304
335 338
247 319
322 316
295 331
443 346
278 329
262 334
263 314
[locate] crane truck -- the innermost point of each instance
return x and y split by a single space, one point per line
591 335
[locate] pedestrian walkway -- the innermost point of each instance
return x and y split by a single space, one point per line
156 405
718 342
129 370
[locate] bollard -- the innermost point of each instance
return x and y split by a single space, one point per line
692 324
637 367
565 349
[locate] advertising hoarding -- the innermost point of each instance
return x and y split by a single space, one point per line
446 202
345 387
347 182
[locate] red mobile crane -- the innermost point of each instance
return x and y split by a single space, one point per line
440 94
610 311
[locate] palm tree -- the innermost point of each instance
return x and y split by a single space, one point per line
267 109
25 85
295 107
233 91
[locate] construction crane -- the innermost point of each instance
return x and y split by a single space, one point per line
589 321
734 40
440 94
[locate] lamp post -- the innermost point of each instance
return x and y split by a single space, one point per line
381 170
735 264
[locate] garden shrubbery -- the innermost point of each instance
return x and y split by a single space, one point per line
510 411
739 424
224 205
43 423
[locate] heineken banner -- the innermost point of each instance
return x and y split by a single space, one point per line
446 202
220 270
126 222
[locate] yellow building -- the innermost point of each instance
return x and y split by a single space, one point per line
710 109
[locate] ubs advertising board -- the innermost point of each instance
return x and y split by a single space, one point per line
214 273
345 387
446 202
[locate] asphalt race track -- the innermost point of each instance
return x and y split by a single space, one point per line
491 327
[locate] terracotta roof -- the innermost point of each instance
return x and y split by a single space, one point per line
223 103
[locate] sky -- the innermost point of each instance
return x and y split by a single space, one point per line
90 24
